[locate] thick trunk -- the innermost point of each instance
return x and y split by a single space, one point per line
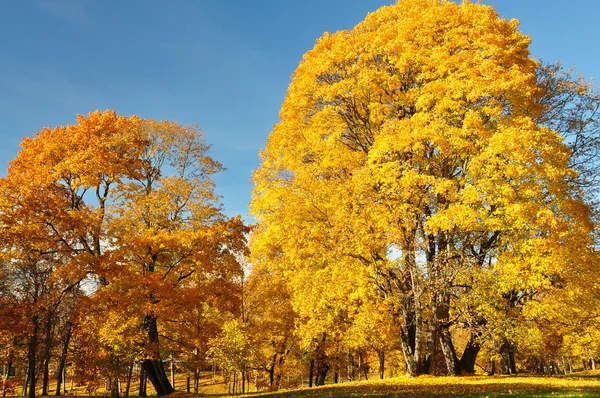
32 348
452 363
467 361
153 367
412 368
63 359
311 372
428 365
507 361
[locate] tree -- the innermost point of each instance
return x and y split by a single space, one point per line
124 202
410 150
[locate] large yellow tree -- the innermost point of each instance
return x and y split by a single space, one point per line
409 151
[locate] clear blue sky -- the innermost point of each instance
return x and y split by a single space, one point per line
225 64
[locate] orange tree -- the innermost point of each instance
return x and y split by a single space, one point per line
127 203
409 151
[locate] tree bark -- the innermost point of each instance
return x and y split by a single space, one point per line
154 368
32 348
129 374
5 376
469 356
381 357
196 380
507 363
311 372
63 359
142 391
114 389
452 363
47 351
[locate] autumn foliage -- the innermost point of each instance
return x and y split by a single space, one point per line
413 174
427 204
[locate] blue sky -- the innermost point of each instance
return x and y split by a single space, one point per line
224 64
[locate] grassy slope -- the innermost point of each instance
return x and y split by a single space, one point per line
474 386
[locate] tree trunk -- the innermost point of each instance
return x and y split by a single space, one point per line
322 369
311 372
507 362
154 367
272 373
452 363
60 379
26 383
47 351
412 368
172 370
142 391
467 361
196 380
114 389
32 348
350 366
129 374
381 357
5 376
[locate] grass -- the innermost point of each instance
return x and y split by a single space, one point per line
472 386
585 384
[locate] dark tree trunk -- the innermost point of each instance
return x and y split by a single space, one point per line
32 348
196 380
381 357
114 389
129 374
142 391
311 372
153 367
412 368
322 369
47 351
63 359
272 373
467 361
507 361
